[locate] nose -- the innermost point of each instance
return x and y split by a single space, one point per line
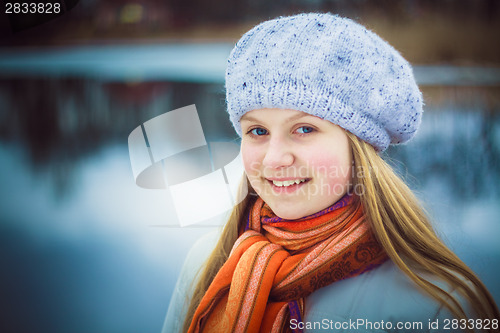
278 154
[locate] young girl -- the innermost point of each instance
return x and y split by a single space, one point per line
329 238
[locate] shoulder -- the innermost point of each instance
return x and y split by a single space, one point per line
200 251
372 301
197 255
195 258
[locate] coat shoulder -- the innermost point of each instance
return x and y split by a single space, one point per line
381 300
188 276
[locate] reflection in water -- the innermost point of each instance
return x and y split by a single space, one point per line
73 230
60 122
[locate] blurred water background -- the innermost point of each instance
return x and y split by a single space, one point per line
83 249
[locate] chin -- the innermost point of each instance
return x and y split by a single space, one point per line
289 215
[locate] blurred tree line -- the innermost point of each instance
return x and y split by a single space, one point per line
182 13
459 31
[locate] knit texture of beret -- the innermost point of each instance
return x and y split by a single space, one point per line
326 66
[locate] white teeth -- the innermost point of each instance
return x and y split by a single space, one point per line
287 182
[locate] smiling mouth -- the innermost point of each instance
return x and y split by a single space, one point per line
287 183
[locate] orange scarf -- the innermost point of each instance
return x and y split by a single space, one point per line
276 263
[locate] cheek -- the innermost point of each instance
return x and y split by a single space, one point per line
251 159
333 170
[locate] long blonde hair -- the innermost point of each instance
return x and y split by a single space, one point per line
400 225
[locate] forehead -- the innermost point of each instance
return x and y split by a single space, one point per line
282 114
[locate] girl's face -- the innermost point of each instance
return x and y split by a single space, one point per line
297 163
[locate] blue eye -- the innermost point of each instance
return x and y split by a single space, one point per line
258 131
305 130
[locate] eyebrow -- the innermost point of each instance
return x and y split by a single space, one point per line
287 120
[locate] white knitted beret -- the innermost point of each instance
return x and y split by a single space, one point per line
330 67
